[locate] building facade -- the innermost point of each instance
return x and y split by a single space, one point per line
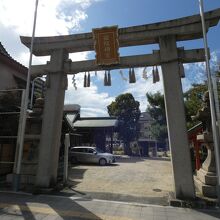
147 143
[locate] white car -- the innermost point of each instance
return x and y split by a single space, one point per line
85 154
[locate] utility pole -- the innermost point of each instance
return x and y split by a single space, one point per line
211 99
16 177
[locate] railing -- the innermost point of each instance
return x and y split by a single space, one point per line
6 135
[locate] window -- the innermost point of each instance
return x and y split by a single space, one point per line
77 150
81 150
89 150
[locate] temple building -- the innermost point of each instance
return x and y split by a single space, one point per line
89 131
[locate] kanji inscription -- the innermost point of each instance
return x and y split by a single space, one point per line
106 45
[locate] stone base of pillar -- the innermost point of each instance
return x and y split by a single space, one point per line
24 179
205 183
206 178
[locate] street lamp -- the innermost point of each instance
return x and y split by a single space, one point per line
211 99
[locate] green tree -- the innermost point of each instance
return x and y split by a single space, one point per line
193 102
156 109
126 109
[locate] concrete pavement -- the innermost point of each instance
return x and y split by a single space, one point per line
135 179
49 207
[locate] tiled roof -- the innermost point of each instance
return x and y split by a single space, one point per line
5 57
4 51
195 128
96 122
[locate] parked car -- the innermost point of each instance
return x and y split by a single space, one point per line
85 154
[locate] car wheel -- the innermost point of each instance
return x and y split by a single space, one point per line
102 162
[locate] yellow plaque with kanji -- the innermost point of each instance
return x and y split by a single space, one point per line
106 45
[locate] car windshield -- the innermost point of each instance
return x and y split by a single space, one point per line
98 150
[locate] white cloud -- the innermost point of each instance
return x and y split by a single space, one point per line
17 14
93 112
186 84
215 60
11 41
196 72
57 17
91 101
79 56
142 86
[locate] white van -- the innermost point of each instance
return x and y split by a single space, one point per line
85 154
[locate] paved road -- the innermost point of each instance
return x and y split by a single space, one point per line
133 180
43 207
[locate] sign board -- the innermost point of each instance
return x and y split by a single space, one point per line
106 45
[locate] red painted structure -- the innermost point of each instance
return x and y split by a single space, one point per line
192 137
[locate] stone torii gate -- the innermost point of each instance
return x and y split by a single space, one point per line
166 34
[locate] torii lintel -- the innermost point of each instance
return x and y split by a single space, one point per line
186 28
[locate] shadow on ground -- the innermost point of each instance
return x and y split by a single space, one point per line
127 198
212 212
78 172
39 207
139 159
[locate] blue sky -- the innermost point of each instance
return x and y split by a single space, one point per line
59 17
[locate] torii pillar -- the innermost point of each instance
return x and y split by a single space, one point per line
176 123
56 83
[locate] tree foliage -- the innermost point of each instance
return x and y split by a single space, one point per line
156 109
193 102
126 109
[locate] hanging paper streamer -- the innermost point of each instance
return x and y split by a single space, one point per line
109 79
74 82
88 80
129 75
122 76
85 80
133 76
155 73
105 79
144 75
